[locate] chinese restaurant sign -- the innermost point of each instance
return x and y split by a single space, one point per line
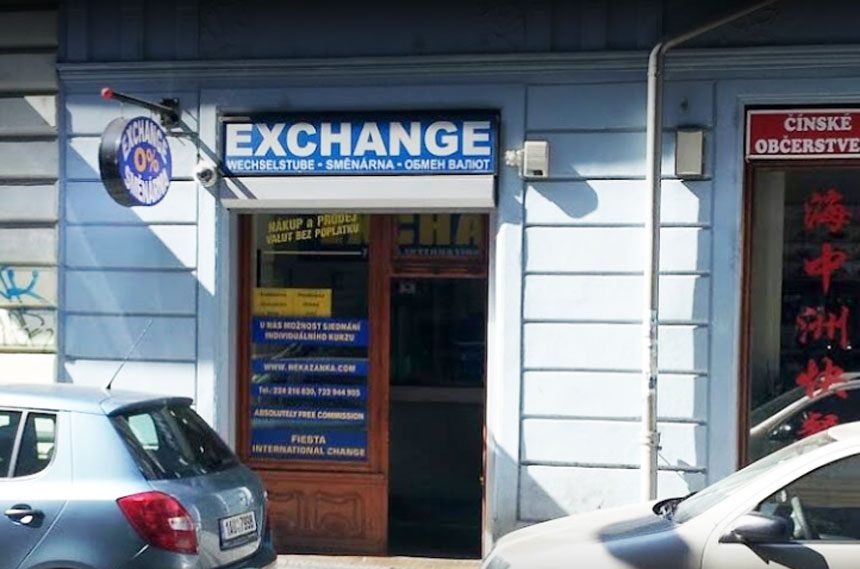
822 319
802 133
458 143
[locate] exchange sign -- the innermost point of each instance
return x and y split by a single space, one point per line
135 161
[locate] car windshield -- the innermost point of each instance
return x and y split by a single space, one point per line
712 495
172 442
774 406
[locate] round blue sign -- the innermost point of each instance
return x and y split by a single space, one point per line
135 161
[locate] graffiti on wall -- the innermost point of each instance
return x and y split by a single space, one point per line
24 321
11 290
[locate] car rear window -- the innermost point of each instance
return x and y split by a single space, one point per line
173 442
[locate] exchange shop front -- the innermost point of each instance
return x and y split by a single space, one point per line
362 263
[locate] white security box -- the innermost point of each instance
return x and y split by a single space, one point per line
536 159
689 152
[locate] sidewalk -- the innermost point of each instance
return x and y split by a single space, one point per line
359 562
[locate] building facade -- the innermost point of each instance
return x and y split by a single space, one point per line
391 347
29 167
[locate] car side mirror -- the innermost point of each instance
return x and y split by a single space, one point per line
784 432
756 527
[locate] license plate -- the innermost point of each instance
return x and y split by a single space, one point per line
238 526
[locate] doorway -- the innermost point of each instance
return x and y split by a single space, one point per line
438 315
362 379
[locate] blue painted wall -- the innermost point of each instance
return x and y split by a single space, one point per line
563 397
124 267
154 30
28 193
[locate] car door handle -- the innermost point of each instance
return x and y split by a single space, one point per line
21 512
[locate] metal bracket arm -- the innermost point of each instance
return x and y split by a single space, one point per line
167 109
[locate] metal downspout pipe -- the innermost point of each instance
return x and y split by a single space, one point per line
653 175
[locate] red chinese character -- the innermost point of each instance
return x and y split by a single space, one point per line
830 260
814 379
826 209
818 323
816 422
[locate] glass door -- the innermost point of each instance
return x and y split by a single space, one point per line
310 338
438 327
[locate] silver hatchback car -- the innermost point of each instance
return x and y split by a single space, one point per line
96 479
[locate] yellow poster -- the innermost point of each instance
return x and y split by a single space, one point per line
292 302
324 228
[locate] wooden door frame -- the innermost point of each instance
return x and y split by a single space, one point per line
305 485
439 268
744 379
743 410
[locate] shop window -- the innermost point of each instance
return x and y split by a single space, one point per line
803 303
310 338
438 332
438 318
440 242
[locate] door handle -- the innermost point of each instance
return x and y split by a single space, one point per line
23 514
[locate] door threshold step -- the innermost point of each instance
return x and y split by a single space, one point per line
370 562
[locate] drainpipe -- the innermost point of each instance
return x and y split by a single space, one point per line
653 159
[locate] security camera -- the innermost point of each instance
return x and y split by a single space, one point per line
206 174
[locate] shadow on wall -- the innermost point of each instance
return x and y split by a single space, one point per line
575 204
606 217
505 496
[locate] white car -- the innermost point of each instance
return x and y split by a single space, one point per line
798 507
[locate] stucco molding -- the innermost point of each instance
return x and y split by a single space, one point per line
470 66
725 61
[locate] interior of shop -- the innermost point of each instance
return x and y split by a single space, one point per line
438 327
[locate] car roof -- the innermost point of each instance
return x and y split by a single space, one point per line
84 399
846 432
788 402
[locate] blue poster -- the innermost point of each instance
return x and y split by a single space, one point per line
442 143
267 415
324 391
351 367
300 445
309 331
